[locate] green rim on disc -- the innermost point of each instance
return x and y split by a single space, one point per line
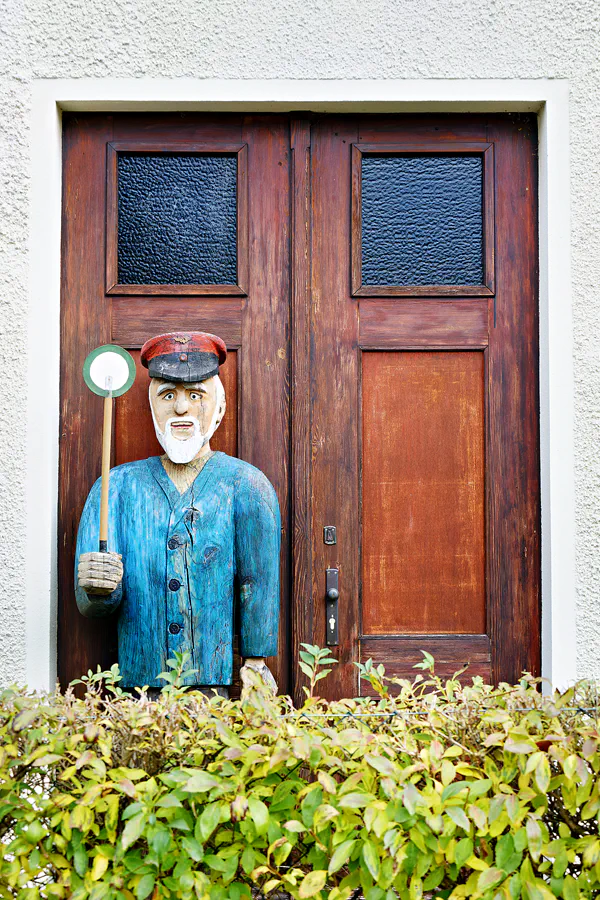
93 357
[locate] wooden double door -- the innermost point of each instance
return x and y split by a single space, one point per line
375 281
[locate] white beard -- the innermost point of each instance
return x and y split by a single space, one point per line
182 452
179 451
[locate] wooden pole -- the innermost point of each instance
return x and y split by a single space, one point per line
106 441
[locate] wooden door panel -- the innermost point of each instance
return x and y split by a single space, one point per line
133 318
411 324
334 380
300 336
452 654
423 549
421 127
85 324
513 461
447 460
255 329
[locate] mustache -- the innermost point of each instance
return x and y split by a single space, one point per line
184 421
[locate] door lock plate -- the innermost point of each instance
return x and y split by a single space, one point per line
332 594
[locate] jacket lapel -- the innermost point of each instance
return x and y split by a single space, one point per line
184 505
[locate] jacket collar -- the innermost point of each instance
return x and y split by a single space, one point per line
181 503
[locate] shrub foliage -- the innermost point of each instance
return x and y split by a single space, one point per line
431 789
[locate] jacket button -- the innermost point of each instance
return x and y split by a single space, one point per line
173 544
174 585
174 628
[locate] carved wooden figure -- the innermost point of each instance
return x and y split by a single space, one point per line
189 533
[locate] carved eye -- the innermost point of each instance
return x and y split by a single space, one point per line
194 395
169 395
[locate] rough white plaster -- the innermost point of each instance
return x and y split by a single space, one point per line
379 39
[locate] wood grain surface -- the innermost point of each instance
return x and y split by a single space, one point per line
256 377
264 422
450 652
423 560
134 319
334 374
407 324
302 605
85 324
299 335
513 459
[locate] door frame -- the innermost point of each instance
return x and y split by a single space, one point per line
549 99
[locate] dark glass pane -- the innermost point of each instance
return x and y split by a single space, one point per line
422 220
177 219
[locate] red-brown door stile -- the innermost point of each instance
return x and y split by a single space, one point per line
485 336
253 321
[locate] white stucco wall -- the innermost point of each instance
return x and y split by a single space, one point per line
377 39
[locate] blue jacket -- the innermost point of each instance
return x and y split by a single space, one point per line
182 556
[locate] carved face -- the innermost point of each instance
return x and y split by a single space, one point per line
186 415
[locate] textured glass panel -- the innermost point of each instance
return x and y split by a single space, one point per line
177 219
422 220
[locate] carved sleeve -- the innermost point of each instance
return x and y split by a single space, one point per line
257 543
87 541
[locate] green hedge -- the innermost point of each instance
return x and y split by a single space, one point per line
432 790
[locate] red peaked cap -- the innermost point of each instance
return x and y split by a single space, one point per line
187 356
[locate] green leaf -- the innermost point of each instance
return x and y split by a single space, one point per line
80 861
133 830
210 818
340 856
169 801
490 878
159 839
193 848
519 747
295 826
459 817
507 857
259 813
513 807
464 849
312 884
24 719
248 860
200 782
370 858
451 790
534 838
145 887
381 764
570 888
410 798
542 775
479 788
35 832
215 862
355 800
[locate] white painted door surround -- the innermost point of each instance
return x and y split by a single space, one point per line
549 98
